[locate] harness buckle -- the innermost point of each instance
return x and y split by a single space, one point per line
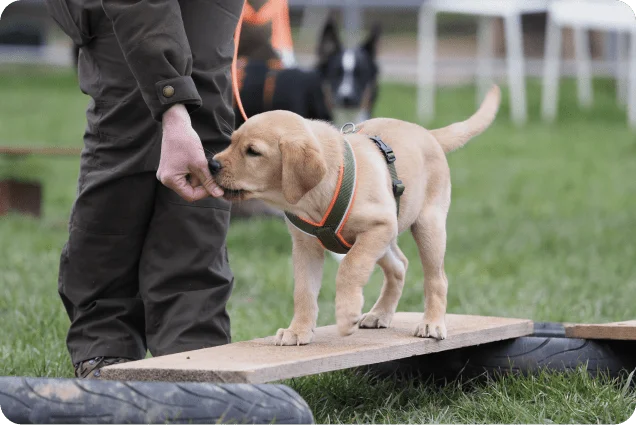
398 188
386 150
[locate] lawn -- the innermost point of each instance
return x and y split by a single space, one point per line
541 227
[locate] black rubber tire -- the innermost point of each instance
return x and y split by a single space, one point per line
546 349
549 329
63 401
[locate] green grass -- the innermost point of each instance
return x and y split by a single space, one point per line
541 227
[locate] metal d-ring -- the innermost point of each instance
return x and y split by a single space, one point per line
348 128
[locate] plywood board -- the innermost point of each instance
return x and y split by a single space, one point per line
260 361
617 330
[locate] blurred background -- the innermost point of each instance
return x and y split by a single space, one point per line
29 36
542 221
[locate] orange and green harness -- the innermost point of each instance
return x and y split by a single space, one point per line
329 229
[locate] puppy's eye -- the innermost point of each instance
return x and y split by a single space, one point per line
251 152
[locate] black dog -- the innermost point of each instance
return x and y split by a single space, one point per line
342 87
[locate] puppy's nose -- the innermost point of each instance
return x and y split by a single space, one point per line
214 166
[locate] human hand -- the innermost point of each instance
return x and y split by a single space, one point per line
183 166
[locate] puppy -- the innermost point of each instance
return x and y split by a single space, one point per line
295 164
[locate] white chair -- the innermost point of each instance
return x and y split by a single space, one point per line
582 16
486 11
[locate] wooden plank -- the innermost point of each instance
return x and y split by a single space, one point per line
45 151
616 330
260 361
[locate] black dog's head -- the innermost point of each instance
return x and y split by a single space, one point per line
349 75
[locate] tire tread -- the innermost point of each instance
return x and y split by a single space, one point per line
52 400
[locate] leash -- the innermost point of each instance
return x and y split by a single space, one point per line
235 88
329 230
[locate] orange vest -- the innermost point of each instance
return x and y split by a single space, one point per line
265 31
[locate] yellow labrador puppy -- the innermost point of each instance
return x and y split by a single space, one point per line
297 165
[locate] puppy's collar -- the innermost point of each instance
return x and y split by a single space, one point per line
329 230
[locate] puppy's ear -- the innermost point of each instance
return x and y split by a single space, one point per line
371 43
303 165
329 42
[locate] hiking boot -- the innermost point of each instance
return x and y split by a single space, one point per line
89 369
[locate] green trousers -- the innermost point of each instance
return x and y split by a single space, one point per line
143 269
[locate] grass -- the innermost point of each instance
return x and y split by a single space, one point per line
541 227
547 398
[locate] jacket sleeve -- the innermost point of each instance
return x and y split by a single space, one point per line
154 42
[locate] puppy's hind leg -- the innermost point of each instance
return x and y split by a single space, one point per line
429 232
394 265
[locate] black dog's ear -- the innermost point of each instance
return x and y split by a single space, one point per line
329 42
371 43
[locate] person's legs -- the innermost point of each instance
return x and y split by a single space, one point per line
184 274
185 278
98 277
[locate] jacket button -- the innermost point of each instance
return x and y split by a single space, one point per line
168 91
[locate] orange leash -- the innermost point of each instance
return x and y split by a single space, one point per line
235 88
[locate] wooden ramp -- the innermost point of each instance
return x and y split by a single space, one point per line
617 330
260 361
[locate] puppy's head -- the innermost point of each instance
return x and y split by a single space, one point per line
349 75
273 156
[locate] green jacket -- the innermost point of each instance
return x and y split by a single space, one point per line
152 37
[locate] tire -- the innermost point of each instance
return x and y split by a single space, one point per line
62 401
546 349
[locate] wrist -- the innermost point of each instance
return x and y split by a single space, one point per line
176 114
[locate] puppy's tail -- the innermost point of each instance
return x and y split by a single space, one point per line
458 134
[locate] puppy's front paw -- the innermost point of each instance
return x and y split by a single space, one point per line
292 337
374 320
431 329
